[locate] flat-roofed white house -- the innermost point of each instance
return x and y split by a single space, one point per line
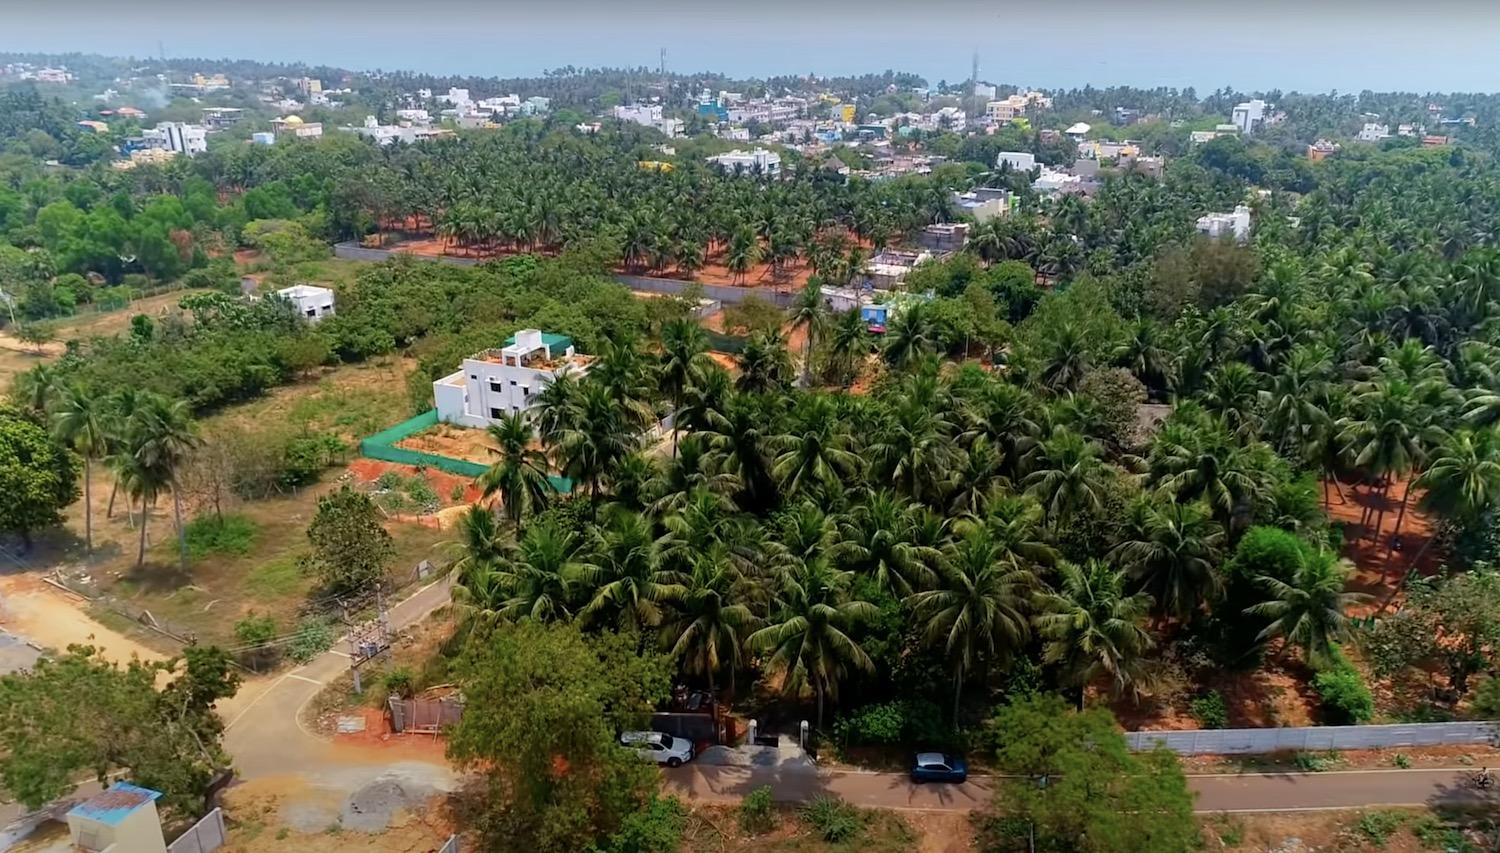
311 301
498 382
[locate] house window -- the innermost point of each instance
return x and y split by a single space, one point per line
312 312
513 383
496 413
496 387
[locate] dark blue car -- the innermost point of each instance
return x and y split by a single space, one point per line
937 767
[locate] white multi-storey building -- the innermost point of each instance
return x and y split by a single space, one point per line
1235 224
1250 115
504 381
1020 161
183 138
649 115
767 162
1373 132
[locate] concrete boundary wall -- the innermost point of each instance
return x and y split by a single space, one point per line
1316 738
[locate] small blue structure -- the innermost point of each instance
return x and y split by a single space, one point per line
875 317
112 806
713 111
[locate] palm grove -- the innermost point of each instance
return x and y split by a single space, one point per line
961 530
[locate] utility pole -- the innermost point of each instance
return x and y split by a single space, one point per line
369 640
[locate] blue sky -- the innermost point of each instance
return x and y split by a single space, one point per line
1439 45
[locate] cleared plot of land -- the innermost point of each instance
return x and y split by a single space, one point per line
451 441
352 400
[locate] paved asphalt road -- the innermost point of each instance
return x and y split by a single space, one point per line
1215 793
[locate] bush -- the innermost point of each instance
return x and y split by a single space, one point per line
257 632
1343 694
1487 699
306 456
314 636
654 829
907 721
834 819
399 682
1313 762
1378 826
757 813
1210 711
230 534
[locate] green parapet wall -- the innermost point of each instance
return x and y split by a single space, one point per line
382 446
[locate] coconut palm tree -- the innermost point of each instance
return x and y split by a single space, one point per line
1462 482
910 336
706 625
684 355
808 636
80 423
741 446
876 539
1170 550
1090 628
1067 475
1388 436
1309 610
848 342
597 437
809 313
622 572
161 437
541 573
978 610
765 365
1067 359
818 453
1144 354
519 473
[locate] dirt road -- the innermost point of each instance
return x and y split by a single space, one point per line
1215 793
49 617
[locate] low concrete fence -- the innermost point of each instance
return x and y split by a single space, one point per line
1316 738
204 836
729 294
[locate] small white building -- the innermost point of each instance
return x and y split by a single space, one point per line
121 818
1373 132
1236 224
761 160
984 203
183 138
1020 161
311 301
1077 131
498 382
1250 115
649 115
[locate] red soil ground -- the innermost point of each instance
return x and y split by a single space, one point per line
1377 571
793 276
369 470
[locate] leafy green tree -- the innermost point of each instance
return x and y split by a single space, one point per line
77 713
550 774
38 476
351 549
1079 788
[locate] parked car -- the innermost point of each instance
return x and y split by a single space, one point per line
659 747
938 767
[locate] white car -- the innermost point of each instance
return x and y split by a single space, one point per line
659 747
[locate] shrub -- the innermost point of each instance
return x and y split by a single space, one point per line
1313 762
314 637
230 534
1378 826
907 721
1401 760
1487 699
399 682
757 813
834 819
257 632
654 829
1343 695
1210 711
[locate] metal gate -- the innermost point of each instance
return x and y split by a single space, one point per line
203 837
